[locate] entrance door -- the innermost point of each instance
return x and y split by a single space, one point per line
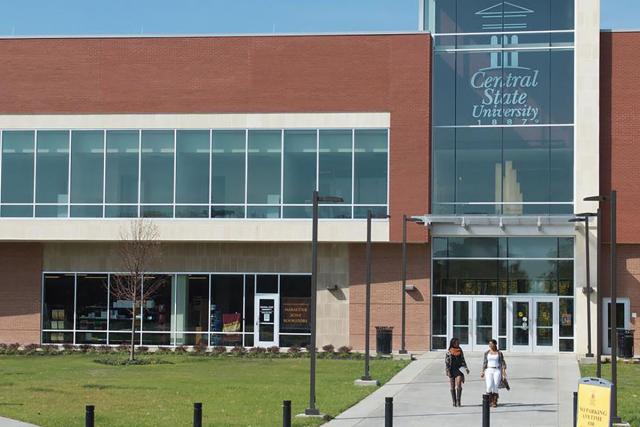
520 324
461 326
267 315
545 327
485 318
623 315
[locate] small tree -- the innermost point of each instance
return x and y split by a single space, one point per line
139 248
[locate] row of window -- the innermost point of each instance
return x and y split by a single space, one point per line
192 173
187 309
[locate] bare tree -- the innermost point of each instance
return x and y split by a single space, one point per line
139 248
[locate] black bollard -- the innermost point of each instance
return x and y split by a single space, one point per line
388 412
286 413
89 416
575 408
197 414
486 412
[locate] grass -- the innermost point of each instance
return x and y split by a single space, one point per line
53 390
628 389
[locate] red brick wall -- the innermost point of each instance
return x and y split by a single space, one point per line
620 130
20 292
384 73
386 295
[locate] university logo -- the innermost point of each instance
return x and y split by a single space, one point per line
504 15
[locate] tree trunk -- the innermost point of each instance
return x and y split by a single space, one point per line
132 345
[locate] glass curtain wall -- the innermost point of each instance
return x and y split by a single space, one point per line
187 309
503 80
193 173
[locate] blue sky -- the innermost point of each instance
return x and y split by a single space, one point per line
78 17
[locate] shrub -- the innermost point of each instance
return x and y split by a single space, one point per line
68 348
142 349
218 350
329 348
12 348
30 349
274 351
344 351
85 348
199 349
257 351
238 351
52 350
119 361
123 347
181 349
164 350
294 351
103 349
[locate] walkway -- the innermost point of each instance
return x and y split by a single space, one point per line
541 395
6 422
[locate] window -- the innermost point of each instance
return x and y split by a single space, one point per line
370 167
299 166
52 173
192 173
17 171
58 308
87 167
91 308
623 318
295 305
202 173
156 176
122 169
264 154
228 173
227 296
156 311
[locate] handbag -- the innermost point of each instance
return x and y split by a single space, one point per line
504 384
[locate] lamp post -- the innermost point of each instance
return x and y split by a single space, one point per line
312 410
584 217
405 219
612 199
367 317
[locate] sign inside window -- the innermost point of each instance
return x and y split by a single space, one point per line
295 313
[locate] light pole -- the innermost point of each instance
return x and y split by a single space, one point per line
312 410
405 219
367 317
584 217
612 199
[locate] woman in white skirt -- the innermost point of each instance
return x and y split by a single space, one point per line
494 369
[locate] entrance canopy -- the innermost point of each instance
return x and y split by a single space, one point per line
485 225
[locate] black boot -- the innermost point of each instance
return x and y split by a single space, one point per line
453 397
459 396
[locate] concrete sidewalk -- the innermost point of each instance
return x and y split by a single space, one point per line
6 422
541 395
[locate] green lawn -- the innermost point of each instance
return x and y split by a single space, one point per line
628 389
53 390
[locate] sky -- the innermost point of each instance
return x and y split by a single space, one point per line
95 17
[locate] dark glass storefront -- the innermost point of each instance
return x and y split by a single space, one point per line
188 309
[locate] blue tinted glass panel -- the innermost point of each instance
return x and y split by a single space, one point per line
298 212
156 211
79 211
192 166
227 212
87 166
122 167
444 171
156 185
335 159
17 166
52 167
228 166
19 211
121 211
52 211
336 212
192 212
533 247
299 166
264 172
370 167
263 212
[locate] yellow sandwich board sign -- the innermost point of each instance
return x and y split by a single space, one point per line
594 403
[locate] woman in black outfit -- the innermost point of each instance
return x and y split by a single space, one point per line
454 361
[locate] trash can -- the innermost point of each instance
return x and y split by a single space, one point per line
625 344
384 334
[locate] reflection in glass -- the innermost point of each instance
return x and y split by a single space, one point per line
192 168
263 184
17 167
521 323
299 163
91 302
370 167
191 308
122 167
87 167
335 164
58 300
52 167
228 166
226 309
156 175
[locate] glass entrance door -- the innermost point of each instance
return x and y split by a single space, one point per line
485 318
461 325
545 327
520 324
267 315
